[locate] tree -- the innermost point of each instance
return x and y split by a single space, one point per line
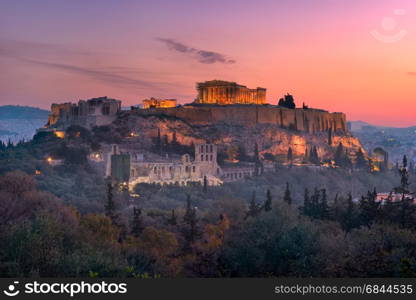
174 138
189 210
341 157
242 153
205 187
369 208
172 219
315 204
137 223
110 207
158 142
191 229
407 211
404 178
288 102
165 142
287 197
268 202
290 156
253 209
362 162
257 162
323 206
314 157
411 167
306 208
348 220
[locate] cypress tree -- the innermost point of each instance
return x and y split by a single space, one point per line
174 138
314 204
110 207
205 187
411 167
287 197
348 218
253 208
158 142
314 157
189 210
404 177
290 156
407 212
172 219
323 206
369 208
191 230
257 162
137 224
306 208
268 202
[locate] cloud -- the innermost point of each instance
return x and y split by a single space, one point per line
411 73
38 49
107 77
46 55
203 56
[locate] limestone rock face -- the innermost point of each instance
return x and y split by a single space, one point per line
306 120
271 137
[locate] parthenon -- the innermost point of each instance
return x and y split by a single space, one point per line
225 92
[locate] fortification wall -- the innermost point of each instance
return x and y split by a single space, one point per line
308 120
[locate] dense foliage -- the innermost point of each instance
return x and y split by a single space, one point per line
67 221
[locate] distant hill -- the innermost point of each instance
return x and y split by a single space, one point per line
20 122
359 125
22 112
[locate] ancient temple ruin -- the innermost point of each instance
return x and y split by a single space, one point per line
225 92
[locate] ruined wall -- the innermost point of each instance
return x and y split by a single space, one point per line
308 120
88 113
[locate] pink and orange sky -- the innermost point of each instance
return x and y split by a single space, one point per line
358 57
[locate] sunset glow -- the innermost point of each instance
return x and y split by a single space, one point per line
356 57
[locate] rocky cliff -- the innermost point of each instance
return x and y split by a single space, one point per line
273 131
306 120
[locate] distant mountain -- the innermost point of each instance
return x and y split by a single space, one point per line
20 122
22 112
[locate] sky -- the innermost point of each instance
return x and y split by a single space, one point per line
356 57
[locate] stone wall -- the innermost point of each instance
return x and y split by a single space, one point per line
307 120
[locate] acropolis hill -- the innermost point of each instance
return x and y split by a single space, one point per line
225 113
217 102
